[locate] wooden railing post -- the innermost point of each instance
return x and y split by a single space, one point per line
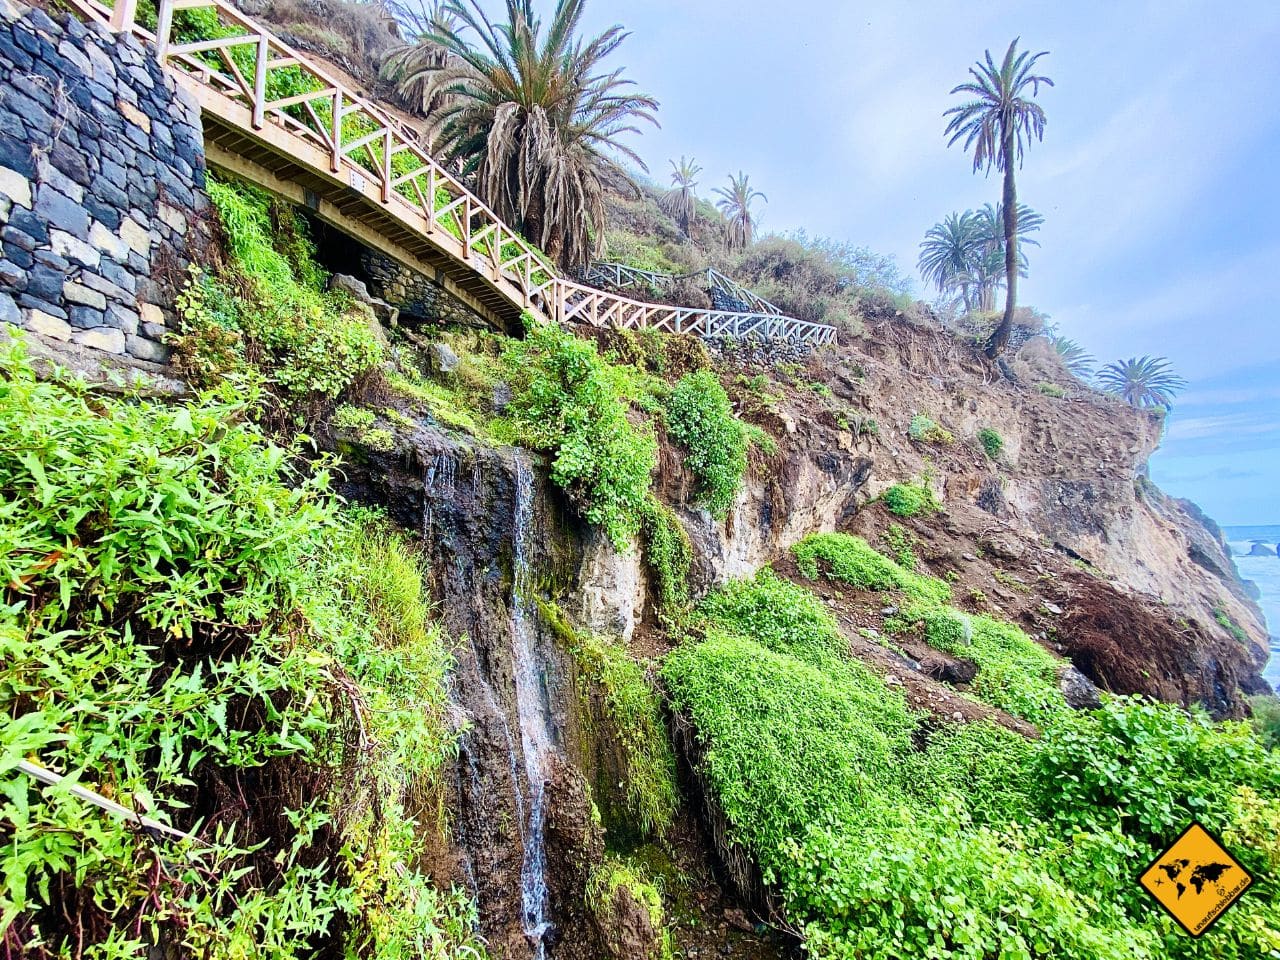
260 82
123 15
335 157
164 27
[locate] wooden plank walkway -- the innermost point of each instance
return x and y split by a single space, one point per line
277 119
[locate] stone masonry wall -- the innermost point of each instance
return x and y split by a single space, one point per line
102 177
415 295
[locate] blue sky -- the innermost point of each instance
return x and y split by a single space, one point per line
1159 176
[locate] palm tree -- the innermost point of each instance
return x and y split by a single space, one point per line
965 253
735 203
411 67
532 117
948 253
1145 382
1074 357
681 202
998 124
989 270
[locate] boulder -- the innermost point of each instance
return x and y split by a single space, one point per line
1260 549
1078 690
441 358
358 292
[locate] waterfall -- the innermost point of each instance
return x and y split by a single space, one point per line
535 726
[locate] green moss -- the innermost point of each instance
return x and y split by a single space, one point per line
910 500
667 553
1224 620
852 560
616 875
635 719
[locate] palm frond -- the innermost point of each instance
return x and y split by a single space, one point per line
528 112
1142 382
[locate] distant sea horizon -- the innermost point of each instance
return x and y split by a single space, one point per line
1265 572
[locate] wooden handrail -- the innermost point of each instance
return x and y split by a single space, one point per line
375 154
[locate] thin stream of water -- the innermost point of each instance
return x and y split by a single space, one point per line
535 727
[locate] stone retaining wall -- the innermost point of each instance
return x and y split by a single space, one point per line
102 176
415 295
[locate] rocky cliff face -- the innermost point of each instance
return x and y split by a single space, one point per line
1061 532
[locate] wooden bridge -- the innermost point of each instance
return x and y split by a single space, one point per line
276 119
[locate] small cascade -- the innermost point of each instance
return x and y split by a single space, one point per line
536 738
437 483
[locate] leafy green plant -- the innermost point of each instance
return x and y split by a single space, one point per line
903 545
1014 672
910 500
1266 719
573 404
1051 390
187 613
303 340
991 442
926 430
890 838
701 419
779 615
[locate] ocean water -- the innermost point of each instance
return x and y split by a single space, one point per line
1265 572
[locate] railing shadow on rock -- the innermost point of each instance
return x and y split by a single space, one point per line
252 81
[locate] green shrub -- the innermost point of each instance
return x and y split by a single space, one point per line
991 442
910 500
929 884
789 743
890 838
667 553
700 418
1149 768
570 402
853 561
926 430
1051 390
188 615
302 339
1266 719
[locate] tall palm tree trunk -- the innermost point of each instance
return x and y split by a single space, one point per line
1000 336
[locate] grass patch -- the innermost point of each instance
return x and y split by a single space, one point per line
853 561
910 500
